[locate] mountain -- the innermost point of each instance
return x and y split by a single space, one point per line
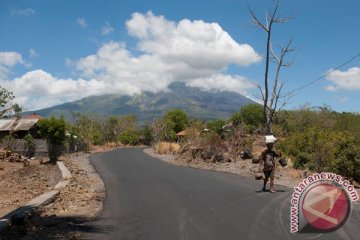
195 102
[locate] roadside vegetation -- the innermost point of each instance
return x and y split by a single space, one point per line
54 131
320 139
313 138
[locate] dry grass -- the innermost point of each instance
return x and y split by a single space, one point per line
166 147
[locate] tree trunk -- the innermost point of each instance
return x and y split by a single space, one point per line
54 151
268 125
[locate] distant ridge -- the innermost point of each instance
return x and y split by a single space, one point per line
194 101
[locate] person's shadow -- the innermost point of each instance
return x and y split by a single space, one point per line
267 190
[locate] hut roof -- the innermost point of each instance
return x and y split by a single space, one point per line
24 124
182 133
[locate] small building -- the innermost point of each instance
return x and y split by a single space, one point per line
20 127
181 134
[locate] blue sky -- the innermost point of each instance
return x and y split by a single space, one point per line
57 51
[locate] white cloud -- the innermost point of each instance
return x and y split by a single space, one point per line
224 82
170 52
82 22
330 88
196 43
343 99
38 89
7 61
194 52
33 53
107 29
344 80
23 12
126 74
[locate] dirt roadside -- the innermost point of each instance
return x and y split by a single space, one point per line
84 194
77 203
20 184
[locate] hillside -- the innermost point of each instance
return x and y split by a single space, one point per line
146 106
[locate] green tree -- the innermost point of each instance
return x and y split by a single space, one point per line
235 118
348 122
5 97
252 116
306 117
314 148
105 130
87 129
113 129
175 121
347 157
128 132
129 137
10 142
29 146
147 134
216 126
54 131
126 122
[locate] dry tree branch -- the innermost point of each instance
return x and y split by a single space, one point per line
255 20
261 91
271 17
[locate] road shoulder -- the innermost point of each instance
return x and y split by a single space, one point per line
77 202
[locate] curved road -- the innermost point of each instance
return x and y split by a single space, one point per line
152 200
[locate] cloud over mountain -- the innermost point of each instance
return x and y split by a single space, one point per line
194 43
196 53
38 89
170 52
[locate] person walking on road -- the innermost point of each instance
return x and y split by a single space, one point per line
267 162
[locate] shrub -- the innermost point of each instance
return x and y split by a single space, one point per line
314 148
348 158
53 130
9 142
175 121
29 146
213 140
147 134
129 137
216 126
252 115
235 118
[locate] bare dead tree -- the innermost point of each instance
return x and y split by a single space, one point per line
273 100
278 101
158 129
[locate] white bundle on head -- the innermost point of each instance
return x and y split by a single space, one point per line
270 139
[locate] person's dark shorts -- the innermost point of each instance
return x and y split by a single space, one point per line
267 173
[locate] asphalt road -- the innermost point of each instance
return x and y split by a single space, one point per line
152 200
